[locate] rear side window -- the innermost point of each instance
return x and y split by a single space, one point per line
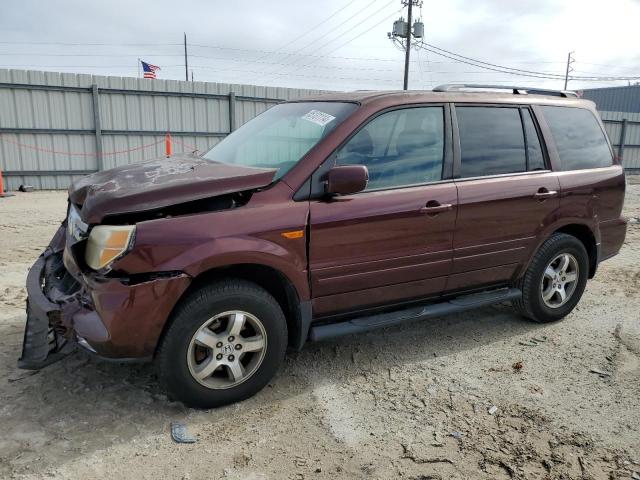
580 141
534 150
491 141
399 148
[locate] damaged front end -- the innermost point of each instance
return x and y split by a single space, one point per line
80 291
117 318
45 339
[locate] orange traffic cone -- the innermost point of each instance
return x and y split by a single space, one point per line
167 145
2 192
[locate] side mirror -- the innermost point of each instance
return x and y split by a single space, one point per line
347 179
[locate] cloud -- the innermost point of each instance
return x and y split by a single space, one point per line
257 42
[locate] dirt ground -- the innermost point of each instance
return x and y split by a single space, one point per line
410 402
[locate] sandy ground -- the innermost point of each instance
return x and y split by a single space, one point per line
410 402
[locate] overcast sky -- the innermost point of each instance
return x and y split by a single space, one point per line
329 44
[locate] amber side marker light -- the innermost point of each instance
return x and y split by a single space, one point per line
293 234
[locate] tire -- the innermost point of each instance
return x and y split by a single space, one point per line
200 333
536 286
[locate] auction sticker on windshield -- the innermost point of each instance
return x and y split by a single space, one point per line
318 117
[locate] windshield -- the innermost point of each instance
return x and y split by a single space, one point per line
281 136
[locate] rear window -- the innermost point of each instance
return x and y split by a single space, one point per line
580 141
491 141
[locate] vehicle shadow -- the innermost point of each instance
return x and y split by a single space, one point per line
80 404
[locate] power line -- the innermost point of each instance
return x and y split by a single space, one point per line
85 44
622 67
230 59
371 69
302 62
500 70
348 41
154 54
375 70
89 54
317 48
550 75
305 33
417 63
77 66
490 64
362 33
306 55
515 71
219 47
332 77
92 44
342 23
281 63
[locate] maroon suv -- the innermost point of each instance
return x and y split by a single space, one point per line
328 216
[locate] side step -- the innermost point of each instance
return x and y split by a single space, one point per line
456 305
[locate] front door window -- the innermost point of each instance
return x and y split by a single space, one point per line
399 148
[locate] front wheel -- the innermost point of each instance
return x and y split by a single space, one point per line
225 342
555 280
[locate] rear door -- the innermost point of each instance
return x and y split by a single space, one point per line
592 183
506 192
392 242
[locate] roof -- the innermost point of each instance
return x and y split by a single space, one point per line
615 99
400 97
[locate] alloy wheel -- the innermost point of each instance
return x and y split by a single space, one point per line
559 280
227 349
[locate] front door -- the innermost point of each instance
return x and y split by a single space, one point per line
392 242
506 193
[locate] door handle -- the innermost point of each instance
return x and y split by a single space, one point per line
543 194
434 207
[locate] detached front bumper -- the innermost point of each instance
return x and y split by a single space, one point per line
115 318
41 345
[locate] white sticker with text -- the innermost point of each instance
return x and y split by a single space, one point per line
318 117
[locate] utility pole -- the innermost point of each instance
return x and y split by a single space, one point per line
406 31
186 63
570 60
408 49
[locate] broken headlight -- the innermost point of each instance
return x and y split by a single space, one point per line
106 243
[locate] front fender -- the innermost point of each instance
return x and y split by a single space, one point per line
228 251
197 243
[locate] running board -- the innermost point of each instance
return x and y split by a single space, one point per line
456 305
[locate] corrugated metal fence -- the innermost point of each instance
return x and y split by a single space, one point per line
55 127
623 129
615 99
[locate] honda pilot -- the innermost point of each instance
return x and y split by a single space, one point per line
329 216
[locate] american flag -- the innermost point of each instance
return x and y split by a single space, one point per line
149 70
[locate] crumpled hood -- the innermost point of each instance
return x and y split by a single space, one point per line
159 183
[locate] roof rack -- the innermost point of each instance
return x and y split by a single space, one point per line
455 87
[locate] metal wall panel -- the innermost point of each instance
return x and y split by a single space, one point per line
133 121
615 99
609 115
613 125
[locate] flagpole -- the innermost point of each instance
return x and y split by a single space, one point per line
186 63
138 68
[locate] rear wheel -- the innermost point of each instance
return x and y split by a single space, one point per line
225 343
555 280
